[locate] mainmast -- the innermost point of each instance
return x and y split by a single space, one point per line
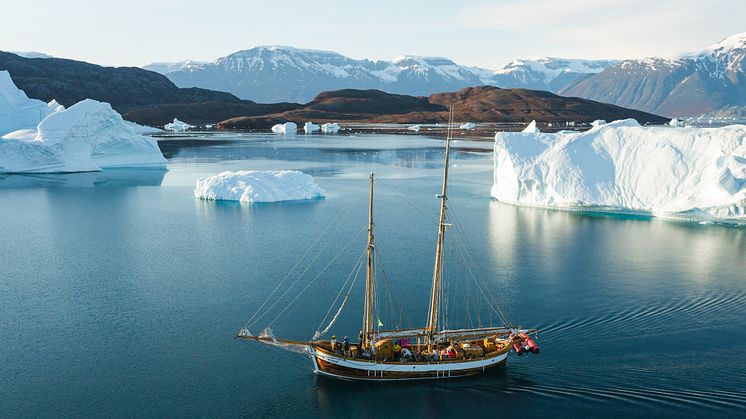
369 277
432 319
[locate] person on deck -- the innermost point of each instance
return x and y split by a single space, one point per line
334 343
346 346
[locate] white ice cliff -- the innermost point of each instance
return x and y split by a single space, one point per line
250 186
694 173
88 136
17 111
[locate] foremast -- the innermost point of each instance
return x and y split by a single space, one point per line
368 314
432 318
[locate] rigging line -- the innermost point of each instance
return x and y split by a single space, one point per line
355 270
287 276
479 287
318 334
409 203
468 254
389 289
296 280
313 280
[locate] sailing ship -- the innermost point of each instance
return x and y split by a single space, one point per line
429 352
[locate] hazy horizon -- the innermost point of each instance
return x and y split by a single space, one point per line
487 34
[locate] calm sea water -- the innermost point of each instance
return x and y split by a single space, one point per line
120 293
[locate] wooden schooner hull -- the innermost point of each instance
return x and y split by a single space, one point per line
332 365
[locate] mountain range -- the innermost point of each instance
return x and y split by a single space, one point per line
278 74
692 84
687 85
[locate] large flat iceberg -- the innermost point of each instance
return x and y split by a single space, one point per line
89 136
694 173
249 186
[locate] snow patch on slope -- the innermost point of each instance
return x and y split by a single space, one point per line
250 186
697 173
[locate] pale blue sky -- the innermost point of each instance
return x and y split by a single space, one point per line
471 32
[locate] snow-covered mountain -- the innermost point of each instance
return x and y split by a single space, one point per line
687 85
277 73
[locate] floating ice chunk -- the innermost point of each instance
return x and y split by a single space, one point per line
676 123
249 186
468 126
310 127
697 173
142 129
17 111
286 128
88 136
415 128
598 122
531 128
177 126
330 128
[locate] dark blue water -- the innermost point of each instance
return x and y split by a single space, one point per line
120 294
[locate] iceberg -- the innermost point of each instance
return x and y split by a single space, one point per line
330 128
598 122
310 127
415 128
17 111
177 126
89 136
250 186
690 173
286 128
531 128
468 126
676 123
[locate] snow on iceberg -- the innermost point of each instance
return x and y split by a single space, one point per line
330 128
89 136
531 128
468 126
286 128
177 126
17 111
310 127
695 173
249 186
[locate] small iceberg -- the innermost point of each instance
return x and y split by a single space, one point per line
598 123
691 173
468 126
415 128
250 186
89 136
177 126
330 128
676 123
310 128
531 128
286 128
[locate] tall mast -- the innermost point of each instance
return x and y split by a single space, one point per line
432 319
369 277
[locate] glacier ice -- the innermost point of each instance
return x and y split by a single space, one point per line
330 128
531 128
17 111
286 128
693 173
310 127
89 136
177 126
250 186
